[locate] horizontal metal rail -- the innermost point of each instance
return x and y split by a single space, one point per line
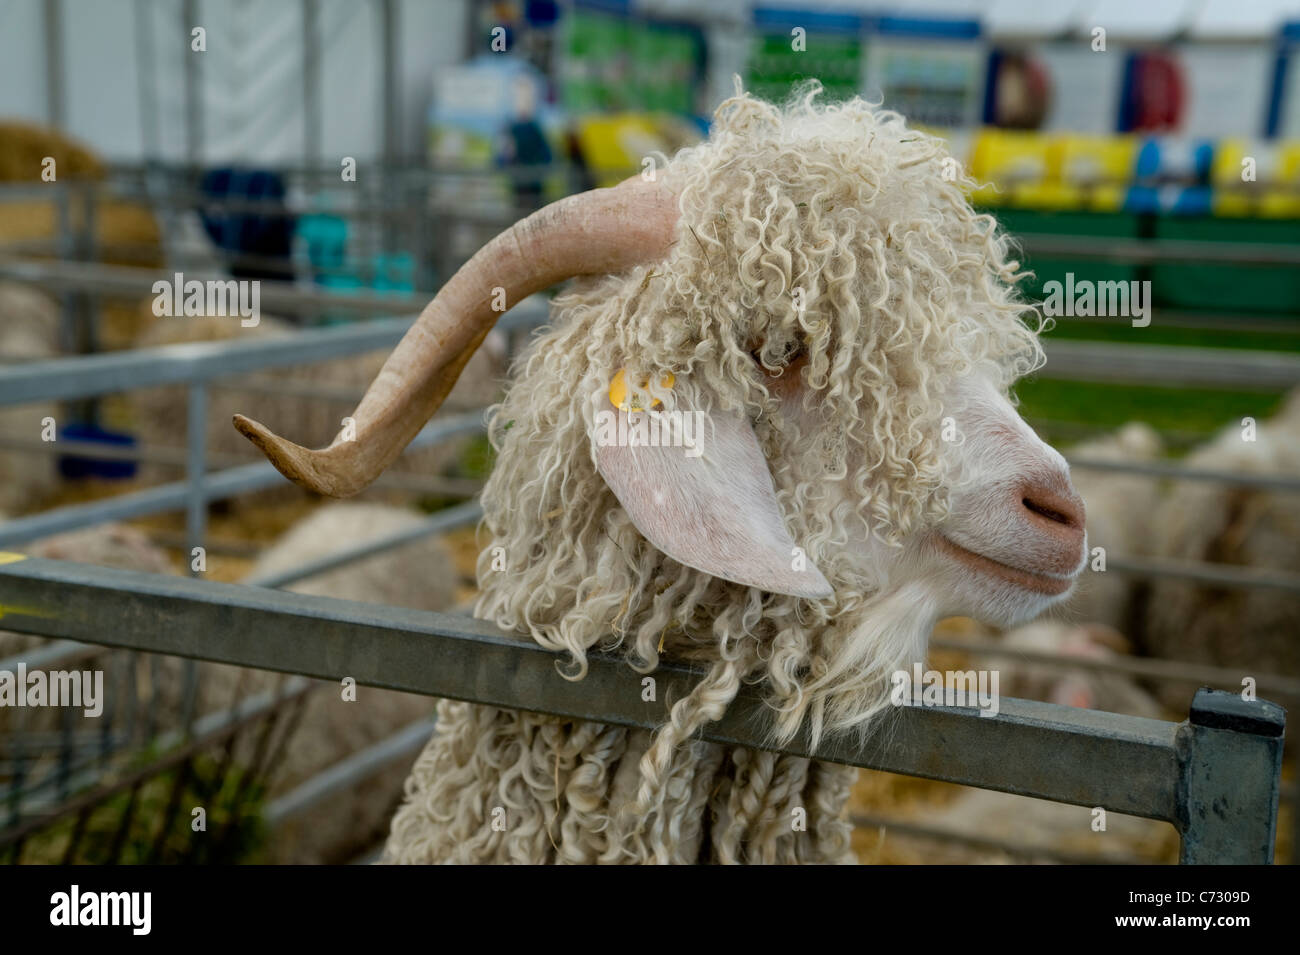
284 296
348 773
1222 575
1215 777
138 283
1154 251
1164 671
63 653
83 376
1169 365
216 486
1159 469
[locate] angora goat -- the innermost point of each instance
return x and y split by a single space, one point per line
29 329
809 289
1253 629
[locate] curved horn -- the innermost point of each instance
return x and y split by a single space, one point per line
592 233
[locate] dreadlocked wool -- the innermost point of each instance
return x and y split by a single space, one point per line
825 231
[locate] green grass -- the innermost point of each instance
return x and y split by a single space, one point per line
1285 338
235 830
1105 407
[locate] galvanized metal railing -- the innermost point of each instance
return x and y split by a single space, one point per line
1215 777
197 367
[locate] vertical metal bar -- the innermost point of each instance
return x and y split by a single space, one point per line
193 87
19 778
183 773
250 772
1230 758
68 338
1295 815
124 826
146 80
390 58
55 101
78 830
211 792
274 762
154 663
87 306
65 753
196 518
130 693
196 438
311 107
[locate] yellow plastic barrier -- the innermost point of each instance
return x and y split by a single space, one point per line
1093 171
1253 178
1010 165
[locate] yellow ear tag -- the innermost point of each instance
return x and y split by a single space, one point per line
618 389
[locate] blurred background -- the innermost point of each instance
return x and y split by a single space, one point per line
348 155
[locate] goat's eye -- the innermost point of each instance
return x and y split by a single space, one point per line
794 350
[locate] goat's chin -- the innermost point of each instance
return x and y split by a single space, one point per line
1000 603
993 592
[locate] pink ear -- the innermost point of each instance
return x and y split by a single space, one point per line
708 504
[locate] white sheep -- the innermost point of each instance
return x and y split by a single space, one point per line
105 545
29 330
419 575
1084 688
1120 510
1250 629
159 414
822 334
1039 827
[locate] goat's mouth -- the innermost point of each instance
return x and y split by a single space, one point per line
1051 585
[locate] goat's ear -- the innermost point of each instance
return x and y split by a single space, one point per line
707 503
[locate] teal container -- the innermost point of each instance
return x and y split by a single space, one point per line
326 238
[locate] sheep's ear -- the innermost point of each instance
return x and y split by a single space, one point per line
707 502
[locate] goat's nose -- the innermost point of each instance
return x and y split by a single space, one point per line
1055 508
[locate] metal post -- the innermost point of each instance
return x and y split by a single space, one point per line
54 98
193 84
66 244
311 111
196 436
196 518
390 59
146 77
1230 755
